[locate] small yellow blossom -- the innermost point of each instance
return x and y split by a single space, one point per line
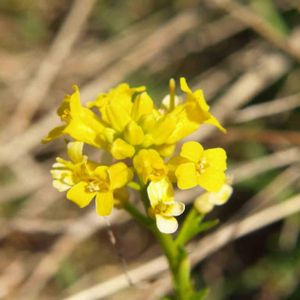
196 166
68 173
81 123
206 201
101 185
163 206
197 107
149 165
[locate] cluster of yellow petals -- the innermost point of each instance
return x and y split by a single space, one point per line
142 137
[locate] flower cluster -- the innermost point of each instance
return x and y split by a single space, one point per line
141 138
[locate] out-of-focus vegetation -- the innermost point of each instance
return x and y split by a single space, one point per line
241 53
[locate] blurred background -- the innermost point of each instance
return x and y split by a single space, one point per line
244 54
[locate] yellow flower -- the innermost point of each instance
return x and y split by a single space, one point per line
206 201
163 206
196 166
101 185
116 105
196 107
67 173
81 123
149 165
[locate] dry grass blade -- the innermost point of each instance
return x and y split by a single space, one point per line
143 53
23 169
268 194
260 165
49 68
12 276
75 233
270 68
268 137
251 19
267 109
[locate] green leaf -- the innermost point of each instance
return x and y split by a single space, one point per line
192 226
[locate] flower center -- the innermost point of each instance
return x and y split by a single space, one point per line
203 164
97 186
66 115
160 208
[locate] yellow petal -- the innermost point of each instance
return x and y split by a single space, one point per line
163 129
222 196
75 105
104 203
213 121
166 224
198 97
142 105
119 175
184 126
202 203
174 209
149 165
53 134
117 116
79 194
192 151
85 126
60 186
165 150
216 158
102 173
186 176
160 191
134 134
121 150
75 151
173 164
196 113
184 86
211 179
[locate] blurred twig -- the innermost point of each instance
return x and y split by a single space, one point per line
270 68
267 195
268 108
260 165
48 69
245 15
270 137
214 80
49 264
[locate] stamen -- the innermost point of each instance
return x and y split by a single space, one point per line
172 85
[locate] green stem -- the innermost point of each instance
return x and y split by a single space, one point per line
138 216
169 248
176 255
182 278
